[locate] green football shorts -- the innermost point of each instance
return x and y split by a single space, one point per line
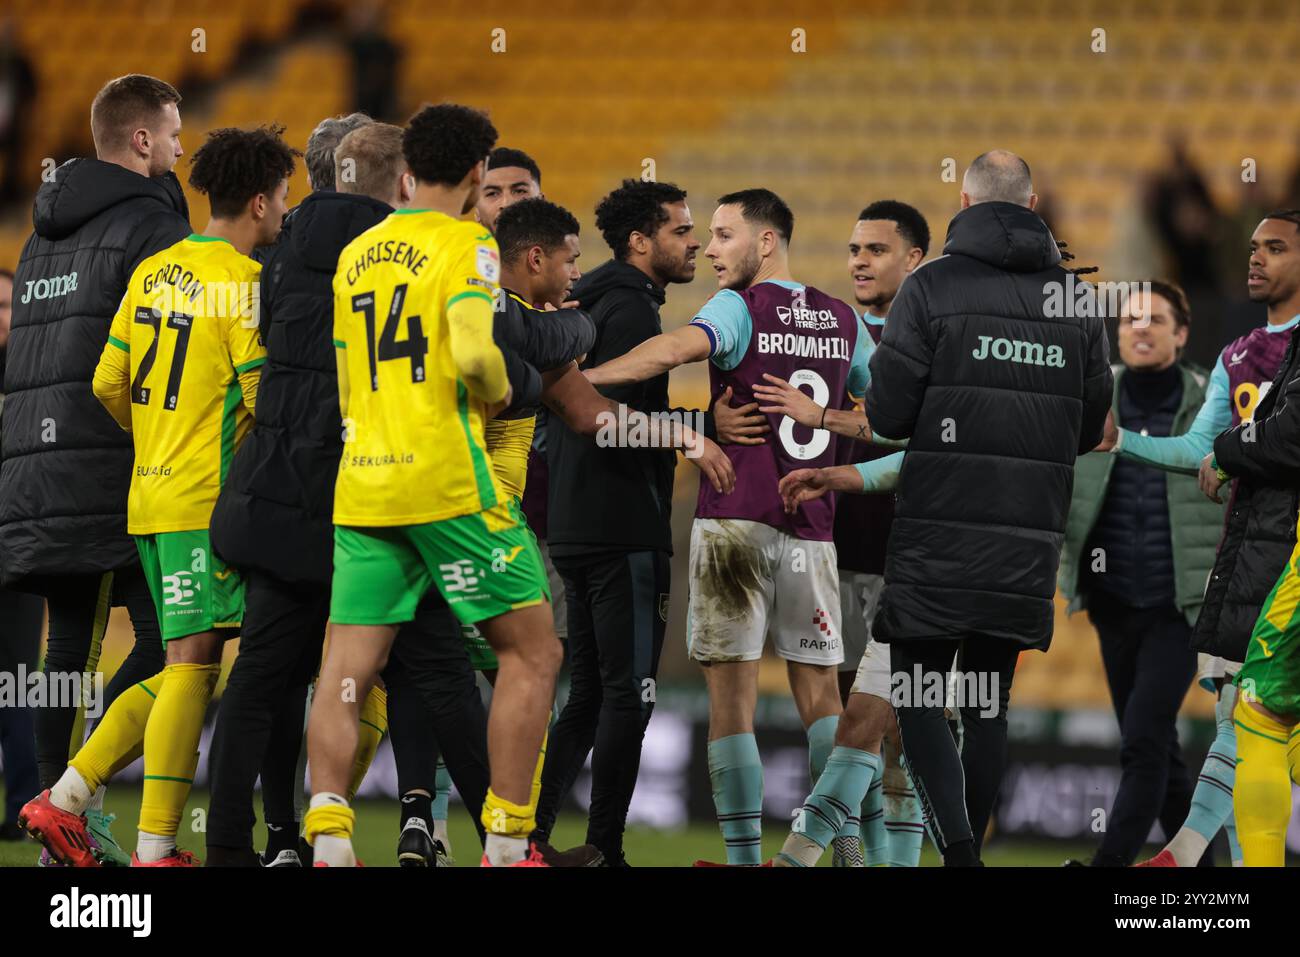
193 590
484 564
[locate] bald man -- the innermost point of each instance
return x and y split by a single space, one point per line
998 381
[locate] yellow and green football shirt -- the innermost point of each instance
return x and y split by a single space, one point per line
180 372
413 302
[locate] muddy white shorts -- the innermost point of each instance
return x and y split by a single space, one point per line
749 580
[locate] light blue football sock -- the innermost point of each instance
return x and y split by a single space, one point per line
441 791
904 825
821 740
737 775
842 786
1212 799
875 839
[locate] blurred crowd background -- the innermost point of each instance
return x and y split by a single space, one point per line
1158 132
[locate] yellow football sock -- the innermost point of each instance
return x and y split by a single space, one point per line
171 744
328 815
1261 796
374 725
502 818
535 791
119 737
1293 754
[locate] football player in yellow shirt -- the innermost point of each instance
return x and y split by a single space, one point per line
417 502
180 372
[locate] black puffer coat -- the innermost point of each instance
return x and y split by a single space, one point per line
65 465
1260 530
275 511
998 392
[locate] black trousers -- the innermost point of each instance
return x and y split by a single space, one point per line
20 646
957 789
260 726
78 611
617 610
435 707
1149 668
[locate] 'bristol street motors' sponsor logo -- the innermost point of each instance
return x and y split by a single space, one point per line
805 318
1018 350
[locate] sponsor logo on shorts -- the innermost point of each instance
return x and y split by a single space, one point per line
459 576
822 622
828 641
820 644
180 588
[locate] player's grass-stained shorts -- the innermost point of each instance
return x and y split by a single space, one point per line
750 580
1271 672
193 590
484 564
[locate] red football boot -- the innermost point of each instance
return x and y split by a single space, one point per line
177 858
1163 859
61 832
534 859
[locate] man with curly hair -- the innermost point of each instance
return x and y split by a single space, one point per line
612 545
179 372
417 503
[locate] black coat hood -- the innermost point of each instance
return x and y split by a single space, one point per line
612 275
84 188
325 222
1003 235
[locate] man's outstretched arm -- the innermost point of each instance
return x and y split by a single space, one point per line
653 357
585 411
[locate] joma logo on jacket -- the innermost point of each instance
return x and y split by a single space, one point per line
49 288
1018 350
